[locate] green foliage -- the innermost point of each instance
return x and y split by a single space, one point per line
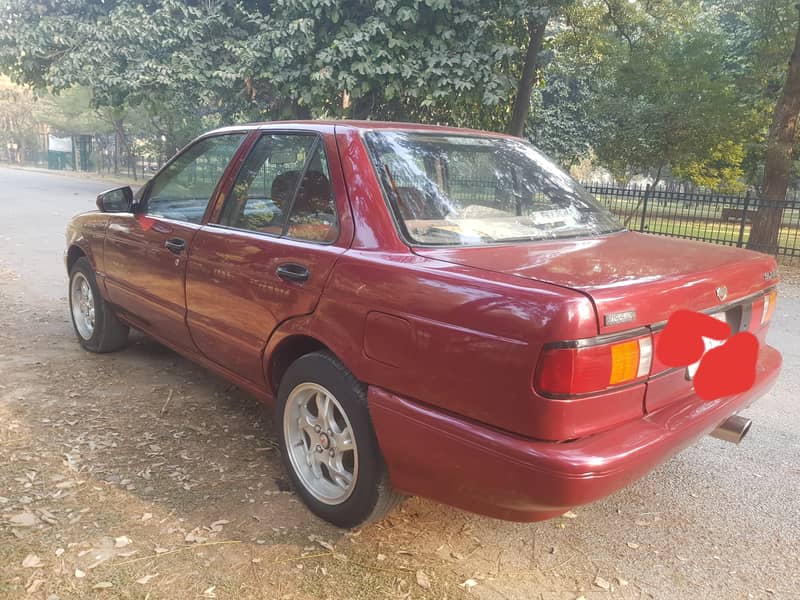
18 123
720 169
434 60
643 85
759 37
670 101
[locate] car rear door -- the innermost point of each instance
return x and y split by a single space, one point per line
269 247
145 254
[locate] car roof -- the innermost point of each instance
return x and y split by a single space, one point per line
361 126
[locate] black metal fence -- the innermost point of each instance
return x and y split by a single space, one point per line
704 216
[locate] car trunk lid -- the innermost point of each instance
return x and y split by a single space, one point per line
648 277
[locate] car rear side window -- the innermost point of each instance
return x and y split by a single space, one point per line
183 189
284 189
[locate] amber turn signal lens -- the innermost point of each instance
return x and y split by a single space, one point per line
624 362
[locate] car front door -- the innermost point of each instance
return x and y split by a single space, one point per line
267 254
145 254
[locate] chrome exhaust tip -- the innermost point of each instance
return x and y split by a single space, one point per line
733 429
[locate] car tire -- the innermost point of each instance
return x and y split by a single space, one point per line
97 327
328 444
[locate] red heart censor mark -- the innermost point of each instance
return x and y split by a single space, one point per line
681 342
728 369
723 371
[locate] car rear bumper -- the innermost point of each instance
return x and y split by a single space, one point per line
444 457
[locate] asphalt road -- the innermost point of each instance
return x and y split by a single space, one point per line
717 521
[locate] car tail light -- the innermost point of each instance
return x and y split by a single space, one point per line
769 306
583 369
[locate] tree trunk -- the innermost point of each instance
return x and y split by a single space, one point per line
124 146
778 160
647 193
522 102
362 107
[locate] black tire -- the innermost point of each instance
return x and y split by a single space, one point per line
372 496
109 333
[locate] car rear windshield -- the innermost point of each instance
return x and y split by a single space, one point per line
472 190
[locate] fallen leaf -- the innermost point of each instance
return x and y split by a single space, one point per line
32 562
423 580
601 583
325 544
468 584
146 579
217 525
193 537
23 519
48 517
103 585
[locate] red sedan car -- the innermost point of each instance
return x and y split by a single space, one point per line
432 311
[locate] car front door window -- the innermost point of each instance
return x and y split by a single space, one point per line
183 189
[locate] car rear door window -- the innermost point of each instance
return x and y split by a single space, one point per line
284 189
313 215
183 189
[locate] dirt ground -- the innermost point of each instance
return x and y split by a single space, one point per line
138 475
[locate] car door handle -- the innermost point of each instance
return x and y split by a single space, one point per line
293 272
175 245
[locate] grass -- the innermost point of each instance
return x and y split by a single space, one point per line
702 223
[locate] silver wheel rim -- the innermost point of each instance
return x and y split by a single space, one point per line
320 443
82 302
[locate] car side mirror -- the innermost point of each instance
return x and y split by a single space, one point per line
115 200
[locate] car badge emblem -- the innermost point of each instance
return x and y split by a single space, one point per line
722 293
618 318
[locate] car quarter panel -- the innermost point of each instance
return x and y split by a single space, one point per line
87 232
436 333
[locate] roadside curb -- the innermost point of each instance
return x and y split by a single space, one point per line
89 175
